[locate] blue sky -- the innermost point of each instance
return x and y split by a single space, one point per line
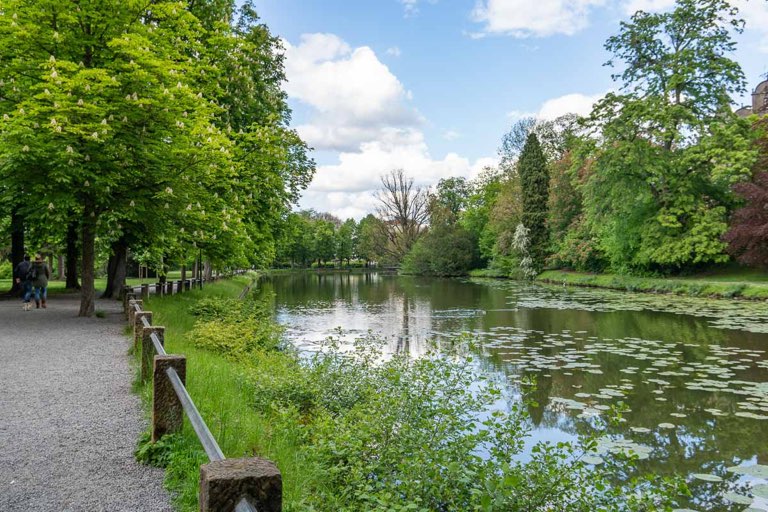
432 85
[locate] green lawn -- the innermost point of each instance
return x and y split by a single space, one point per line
725 283
55 286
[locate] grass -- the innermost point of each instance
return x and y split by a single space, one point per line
727 283
222 393
55 286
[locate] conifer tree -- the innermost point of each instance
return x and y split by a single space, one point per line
534 184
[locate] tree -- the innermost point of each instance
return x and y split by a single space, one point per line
448 201
521 244
669 149
325 241
534 185
345 241
748 234
403 211
367 237
102 117
142 129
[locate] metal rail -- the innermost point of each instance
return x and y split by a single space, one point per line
155 340
210 445
204 435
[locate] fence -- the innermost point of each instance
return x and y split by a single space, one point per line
242 485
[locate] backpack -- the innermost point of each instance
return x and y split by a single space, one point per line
32 273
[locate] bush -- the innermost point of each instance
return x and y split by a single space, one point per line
6 270
406 434
235 328
444 251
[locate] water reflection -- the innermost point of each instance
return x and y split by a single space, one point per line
692 372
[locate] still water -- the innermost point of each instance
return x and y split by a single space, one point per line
692 372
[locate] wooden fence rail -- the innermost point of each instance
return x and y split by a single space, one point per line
248 484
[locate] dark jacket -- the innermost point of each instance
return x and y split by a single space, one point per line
22 269
43 274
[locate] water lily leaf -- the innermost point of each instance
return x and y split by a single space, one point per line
756 470
738 498
707 477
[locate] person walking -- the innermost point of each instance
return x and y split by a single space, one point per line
39 274
21 273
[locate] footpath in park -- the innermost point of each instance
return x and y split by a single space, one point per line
69 422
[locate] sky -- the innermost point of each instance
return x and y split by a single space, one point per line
431 86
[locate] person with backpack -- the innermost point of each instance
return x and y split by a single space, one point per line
20 273
38 275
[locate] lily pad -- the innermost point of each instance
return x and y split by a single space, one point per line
738 498
756 470
707 477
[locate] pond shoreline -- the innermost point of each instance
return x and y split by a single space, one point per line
740 290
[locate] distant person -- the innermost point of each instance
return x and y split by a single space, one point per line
38 275
21 274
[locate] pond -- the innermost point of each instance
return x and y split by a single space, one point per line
693 373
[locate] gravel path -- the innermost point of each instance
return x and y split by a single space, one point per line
68 420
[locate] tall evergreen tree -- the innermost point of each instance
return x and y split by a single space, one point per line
534 184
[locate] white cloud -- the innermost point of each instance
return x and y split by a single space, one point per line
533 18
632 6
359 108
519 114
393 51
451 135
576 103
353 94
754 12
346 188
412 6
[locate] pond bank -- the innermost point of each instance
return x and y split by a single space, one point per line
694 287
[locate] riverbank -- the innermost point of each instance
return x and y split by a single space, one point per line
346 428
751 286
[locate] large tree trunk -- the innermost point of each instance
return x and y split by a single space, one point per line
72 256
116 270
60 268
88 292
183 275
208 270
17 246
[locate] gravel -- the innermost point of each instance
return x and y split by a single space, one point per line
68 420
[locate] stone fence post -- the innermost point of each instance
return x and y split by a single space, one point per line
144 291
224 483
148 348
167 411
132 309
138 326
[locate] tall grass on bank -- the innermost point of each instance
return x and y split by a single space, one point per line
223 393
355 430
718 287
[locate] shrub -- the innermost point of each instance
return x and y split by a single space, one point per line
6 270
423 434
235 328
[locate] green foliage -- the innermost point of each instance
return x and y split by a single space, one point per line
235 328
142 123
658 194
6 270
353 431
156 454
368 236
534 186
